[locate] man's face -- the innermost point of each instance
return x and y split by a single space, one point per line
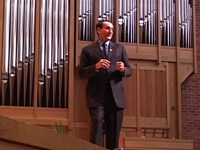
106 32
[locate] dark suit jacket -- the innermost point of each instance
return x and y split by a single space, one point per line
97 79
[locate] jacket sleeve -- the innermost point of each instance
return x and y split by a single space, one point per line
128 69
86 70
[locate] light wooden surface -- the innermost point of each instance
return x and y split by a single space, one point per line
157 144
15 135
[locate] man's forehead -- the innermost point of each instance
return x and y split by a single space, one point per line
106 23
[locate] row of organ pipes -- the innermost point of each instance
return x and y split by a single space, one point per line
106 10
53 69
168 21
85 20
148 20
185 23
18 54
18 60
127 21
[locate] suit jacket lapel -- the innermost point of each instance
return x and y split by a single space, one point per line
98 49
111 50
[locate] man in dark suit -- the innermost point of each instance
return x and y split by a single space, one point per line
105 64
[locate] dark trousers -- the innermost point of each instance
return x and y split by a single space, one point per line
112 117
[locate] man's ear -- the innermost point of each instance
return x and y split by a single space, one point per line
98 30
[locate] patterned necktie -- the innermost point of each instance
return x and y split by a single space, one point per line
105 49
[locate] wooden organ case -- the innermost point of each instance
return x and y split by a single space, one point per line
40 48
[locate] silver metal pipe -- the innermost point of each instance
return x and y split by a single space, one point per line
13 37
128 20
61 50
148 21
100 10
154 28
49 37
55 52
80 21
27 30
131 34
125 27
141 21
26 52
120 7
84 19
164 22
20 48
20 44
32 52
135 9
87 20
152 21
188 28
66 52
42 53
55 34
191 25
145 21
43 38
66 47
91 19
13 47
61 31
48 51
6 37
32 26
182 19
120 22
155 18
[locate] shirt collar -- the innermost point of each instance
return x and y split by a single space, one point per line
100 42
